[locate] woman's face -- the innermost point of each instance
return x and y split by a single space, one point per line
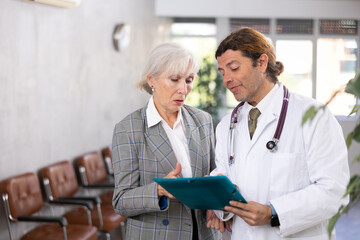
170 92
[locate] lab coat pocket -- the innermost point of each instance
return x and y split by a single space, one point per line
286 172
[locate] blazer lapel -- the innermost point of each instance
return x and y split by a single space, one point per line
160 146
195 150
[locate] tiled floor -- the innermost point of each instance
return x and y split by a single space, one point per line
348 226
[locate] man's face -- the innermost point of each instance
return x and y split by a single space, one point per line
240 76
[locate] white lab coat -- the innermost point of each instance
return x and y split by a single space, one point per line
305 180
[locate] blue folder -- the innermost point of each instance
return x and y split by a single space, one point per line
213 192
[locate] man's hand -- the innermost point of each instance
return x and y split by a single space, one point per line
173 174
253 213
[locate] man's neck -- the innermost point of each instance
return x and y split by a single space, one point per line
263 91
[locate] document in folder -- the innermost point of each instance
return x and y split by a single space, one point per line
202 192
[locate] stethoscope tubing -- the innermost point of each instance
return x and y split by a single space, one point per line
283 112
272 144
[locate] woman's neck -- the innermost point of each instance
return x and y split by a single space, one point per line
170 118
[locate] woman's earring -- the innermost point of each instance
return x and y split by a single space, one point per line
152 88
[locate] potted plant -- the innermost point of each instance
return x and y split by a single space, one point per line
209 90
353 187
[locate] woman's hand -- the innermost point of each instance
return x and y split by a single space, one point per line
212 221
173 174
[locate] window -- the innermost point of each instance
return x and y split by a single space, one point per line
199 36
319 56
297 75
347 27
193 27
294 26
336 65
261 25
196 34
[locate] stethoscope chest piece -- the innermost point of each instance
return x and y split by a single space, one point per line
271 145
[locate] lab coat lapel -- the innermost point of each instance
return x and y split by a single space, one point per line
160 146
270 115
195 151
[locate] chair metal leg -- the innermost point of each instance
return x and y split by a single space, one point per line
65 233
122 228
83 178
88 212
5 198
107 236
104 236
101 223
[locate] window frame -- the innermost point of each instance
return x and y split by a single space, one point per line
223 27
274 36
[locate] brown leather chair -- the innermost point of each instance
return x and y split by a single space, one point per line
60 183
107 156
93 174
22 197
92 170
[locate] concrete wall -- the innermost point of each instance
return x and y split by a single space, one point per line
62 85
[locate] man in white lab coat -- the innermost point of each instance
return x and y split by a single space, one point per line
291 192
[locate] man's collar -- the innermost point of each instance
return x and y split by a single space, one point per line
265 102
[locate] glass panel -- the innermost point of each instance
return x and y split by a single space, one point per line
261 25
195 29
336 65
296 55
343 26
193 20
294 26
200 46
194 26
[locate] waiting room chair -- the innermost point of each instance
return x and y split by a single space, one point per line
22 198
107 156
92 169
60 182
93 174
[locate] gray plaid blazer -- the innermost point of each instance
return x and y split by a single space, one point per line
141 154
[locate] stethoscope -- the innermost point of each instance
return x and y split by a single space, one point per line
272 144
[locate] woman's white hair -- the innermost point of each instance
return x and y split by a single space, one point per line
168 59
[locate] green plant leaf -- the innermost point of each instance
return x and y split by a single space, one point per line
309 114
354 199
354 110
353 86
332 223
208 90
353 187
356 133
349 139
356 159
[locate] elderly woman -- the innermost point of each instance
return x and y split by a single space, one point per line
164 139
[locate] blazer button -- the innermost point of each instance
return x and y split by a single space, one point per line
165 222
